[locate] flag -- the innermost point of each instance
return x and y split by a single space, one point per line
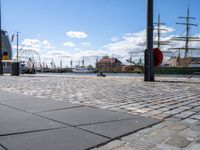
12 38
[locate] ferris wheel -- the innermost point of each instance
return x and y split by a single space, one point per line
30 57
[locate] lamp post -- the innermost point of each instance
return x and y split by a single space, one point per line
1 64
149 54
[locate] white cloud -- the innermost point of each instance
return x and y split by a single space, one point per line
130 42
85 43
57 53
77 34
121 47
69 44
77 50
47 45
26 48
32 42
36 44
114 39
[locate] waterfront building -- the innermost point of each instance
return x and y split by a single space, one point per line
184 62
194 62
6 46
107 64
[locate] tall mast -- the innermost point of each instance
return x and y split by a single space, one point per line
83 62
131 58
159 30
187 38
187 32
71 62
17 46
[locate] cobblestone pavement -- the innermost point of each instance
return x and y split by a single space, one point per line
175 101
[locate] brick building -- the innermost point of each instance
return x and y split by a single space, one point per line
107 64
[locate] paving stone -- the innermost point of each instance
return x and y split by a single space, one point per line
14 121
91 91
185 114
189 121
196 127
190 133
178 141
194 147
195 117
166 132
125 147
34 105
164 146
147 115
85 115
60 139
146 131
184 108
122 147
159 126
173 112
198 141
155 138
155 148
177 126
120 128
195 109
132 137
113 145
142 145
173 119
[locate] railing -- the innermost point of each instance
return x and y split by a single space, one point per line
195 73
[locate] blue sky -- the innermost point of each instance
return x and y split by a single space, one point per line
105 25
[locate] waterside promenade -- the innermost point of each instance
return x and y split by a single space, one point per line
175 102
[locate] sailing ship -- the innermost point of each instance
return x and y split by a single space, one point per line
83 69
187 38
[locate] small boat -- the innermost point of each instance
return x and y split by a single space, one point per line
101 75
82 69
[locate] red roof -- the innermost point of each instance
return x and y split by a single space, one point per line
107 60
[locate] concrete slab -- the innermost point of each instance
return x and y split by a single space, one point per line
13 121
120 128
1 148
8 96
34 104
85 116
60 139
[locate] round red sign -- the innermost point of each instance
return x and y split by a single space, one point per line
158 57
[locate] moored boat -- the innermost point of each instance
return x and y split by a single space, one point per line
83 70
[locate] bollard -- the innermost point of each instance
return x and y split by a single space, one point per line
15 69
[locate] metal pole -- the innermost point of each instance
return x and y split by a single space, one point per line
1 64
149 54
159 31
17 46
